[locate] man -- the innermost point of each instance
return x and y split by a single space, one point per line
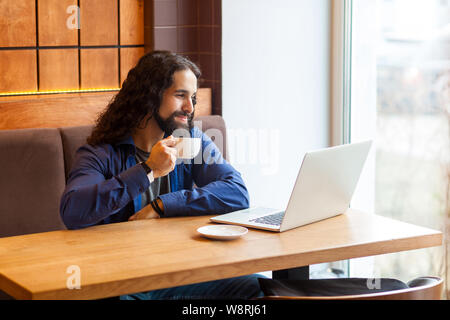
128 170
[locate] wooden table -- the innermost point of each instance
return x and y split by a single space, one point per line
143 255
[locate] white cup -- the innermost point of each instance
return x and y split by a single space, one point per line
188 148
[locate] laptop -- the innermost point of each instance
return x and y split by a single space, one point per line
324 187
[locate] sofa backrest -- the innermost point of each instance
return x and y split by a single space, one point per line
74 137
31 181
215 128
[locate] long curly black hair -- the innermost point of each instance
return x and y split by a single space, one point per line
140 95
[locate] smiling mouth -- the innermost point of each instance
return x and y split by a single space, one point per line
182 118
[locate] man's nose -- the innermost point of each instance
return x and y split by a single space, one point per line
188 106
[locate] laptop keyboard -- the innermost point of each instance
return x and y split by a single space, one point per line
272 219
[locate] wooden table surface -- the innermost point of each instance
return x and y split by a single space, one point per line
143 255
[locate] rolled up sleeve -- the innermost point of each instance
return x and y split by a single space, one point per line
220 188
90 197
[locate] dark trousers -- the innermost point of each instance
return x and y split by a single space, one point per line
245 287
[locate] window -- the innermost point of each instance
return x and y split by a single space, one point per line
400 98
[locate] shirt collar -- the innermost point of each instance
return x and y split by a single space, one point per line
127 141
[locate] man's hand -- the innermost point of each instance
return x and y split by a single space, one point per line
163 157
145 213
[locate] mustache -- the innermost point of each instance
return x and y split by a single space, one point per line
182 114
169 125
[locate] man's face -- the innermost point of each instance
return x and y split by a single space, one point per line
177 107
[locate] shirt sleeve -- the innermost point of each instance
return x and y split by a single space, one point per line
220 188
90 197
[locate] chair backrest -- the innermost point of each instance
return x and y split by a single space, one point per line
432 290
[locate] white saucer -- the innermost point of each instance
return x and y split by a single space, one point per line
222 232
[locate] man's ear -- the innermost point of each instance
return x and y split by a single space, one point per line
148 117
144 122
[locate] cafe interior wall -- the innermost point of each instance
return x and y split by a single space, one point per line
276 84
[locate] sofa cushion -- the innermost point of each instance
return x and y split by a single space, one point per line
32 181
214 127
73 138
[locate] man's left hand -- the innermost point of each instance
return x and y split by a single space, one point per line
146 213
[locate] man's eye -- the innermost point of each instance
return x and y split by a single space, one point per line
180 95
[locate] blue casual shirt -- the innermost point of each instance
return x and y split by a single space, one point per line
105 185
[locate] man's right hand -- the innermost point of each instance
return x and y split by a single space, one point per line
163 157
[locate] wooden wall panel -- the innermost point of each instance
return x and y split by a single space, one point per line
99 68
58 69
52 111
18 70
66 110
128 59
17 23
204 102
131 22
52 22
99 22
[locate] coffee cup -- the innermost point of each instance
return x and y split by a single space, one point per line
187 148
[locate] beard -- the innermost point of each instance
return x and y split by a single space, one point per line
170 124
